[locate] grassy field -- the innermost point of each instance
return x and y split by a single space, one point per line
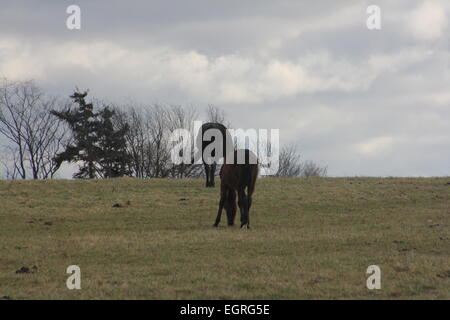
153 239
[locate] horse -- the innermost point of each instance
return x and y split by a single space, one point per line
226 144
235 178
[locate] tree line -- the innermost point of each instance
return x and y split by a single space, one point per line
40 132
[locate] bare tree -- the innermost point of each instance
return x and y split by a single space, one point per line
157 126
183 118
290 164
137 138
311 169
44 136
12 123
34 135
214 114
148 143
9 163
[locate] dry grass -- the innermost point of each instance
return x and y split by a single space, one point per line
310 239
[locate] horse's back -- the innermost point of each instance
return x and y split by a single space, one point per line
242 173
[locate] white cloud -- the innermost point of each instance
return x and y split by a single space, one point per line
429 20
224 79
442 98
375 146
16 60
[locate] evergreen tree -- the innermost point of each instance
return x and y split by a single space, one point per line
96 145
112 143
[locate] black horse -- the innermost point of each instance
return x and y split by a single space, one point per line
226 145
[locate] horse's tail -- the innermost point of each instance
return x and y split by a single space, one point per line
249 171
253 168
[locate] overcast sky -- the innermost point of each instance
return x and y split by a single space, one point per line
362 102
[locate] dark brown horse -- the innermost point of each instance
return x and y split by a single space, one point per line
235 178
225 144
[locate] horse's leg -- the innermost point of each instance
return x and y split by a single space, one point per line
243 207
223 197
207 174
213 173
250 189
230 206
249 204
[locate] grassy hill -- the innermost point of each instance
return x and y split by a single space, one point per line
153 239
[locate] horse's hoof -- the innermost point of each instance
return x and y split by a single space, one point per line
215 225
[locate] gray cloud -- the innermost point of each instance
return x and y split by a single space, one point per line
363 102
